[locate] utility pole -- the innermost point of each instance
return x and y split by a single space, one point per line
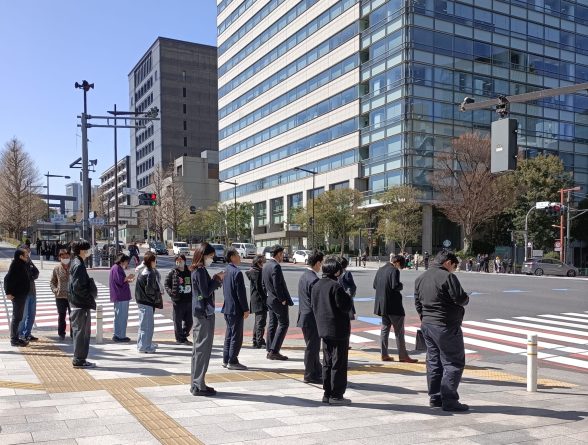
85 86
565 241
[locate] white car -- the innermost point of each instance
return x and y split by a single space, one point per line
301 256
245 250
181 248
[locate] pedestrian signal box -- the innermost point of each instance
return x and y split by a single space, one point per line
503 145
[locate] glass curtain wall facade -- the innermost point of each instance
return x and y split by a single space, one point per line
366 91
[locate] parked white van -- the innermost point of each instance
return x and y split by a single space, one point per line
246 250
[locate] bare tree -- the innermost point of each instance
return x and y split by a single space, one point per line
18 182
175 210
466 192
401 216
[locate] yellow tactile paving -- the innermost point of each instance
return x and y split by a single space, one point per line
21 385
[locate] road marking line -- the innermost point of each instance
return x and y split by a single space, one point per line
514 330
359 339
540 326
509 338
559 317
569 361
407 338
558 323
576 314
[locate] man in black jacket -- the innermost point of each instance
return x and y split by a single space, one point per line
388 305
331 306
440 300
82 299
178 285
257 300
16 287
278 300
306 320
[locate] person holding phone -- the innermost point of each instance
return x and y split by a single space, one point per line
203 305
120 295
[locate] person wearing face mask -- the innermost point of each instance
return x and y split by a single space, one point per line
82 293
58 283
178 285
25 327
120 295
16 288
331 306
203 307
148 294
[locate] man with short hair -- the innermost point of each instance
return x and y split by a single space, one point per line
388 305
82 299
278 300
307 321
440 300
59 284
25 328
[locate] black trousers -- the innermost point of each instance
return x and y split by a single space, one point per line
259 327
81 323
277 328
335 355
445 360
183 319
18 305
62 310
312 362
233 338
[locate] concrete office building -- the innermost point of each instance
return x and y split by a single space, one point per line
180 79
107 179
365 92
73 189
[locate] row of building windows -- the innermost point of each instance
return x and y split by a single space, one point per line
279 51
297 65
223 5
145 103
321 166
144 182
144 166
298 37
294 94
143 70
299 146
233 16
249 25
144 89
144 135
145 150
320 109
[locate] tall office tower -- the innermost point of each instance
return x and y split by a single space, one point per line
73 189
364 93
179 78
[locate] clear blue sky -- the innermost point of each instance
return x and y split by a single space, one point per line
46 46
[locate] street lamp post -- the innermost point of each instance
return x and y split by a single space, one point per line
85 86
49 175
234 184
313 173
563 253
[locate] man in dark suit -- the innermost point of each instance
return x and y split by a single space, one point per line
278 300
306 320
331 306
439 300
236 310
389 306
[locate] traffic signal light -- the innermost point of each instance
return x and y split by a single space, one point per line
147 199
503 140
555 209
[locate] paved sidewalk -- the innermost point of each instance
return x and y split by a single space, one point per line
133 398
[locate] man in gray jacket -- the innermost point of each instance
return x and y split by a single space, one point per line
278 300
440 300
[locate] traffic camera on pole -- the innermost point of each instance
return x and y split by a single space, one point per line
555 209
147 199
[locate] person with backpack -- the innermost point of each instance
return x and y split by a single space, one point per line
178 285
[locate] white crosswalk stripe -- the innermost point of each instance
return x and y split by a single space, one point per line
557 344
46 314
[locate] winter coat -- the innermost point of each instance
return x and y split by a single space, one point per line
148 288
82 291
388 286
120 290
331 306
59 281
258 299
178 285
17 281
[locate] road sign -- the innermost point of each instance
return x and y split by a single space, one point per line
542 204
446 243
96 221
130 191
58 219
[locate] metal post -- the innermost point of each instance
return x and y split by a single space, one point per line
48 212
99 323
567 244
235 211
526 231
85 182
115 185
313 199
562 256
531 362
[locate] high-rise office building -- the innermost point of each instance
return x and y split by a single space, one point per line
180 79
73 189
364 93
107 184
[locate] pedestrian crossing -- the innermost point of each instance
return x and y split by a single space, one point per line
563 338
46 315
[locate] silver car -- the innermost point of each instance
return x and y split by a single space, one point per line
548 266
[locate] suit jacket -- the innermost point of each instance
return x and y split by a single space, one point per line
305 284
274 283
258 296
234 292
388 286
331 305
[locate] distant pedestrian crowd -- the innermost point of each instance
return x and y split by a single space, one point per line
326 291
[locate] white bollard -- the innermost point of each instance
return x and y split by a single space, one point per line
531 362
99 321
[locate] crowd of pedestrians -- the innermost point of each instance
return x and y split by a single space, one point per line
326 291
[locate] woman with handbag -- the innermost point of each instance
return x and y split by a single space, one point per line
148 294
